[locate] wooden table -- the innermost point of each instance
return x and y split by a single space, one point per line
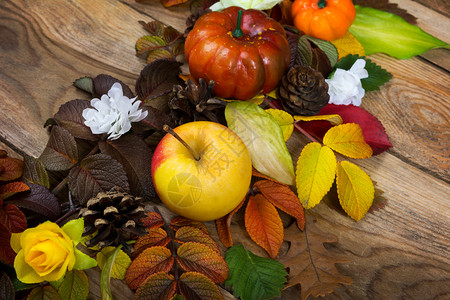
399 252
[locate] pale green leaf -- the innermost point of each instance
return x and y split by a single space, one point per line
328 48
253 277
121 263
380 31
74 229
75 286
105 277
83 261
284 119
263 137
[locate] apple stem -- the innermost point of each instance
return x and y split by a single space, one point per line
175 135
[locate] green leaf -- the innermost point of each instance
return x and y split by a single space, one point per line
377 75
121 263
380 31
84 84
328 48
44 293
148 43
105 276
75 286
264 139
253 277
74 229
34 171
83 261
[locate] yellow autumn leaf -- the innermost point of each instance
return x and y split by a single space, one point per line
333 119
348 140
355 189
348 44
316 169
284 119
121 263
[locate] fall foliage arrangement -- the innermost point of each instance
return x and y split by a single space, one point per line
166 187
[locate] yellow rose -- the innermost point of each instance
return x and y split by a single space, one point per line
46 252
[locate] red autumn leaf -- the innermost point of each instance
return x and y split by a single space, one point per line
13 218
284 198
178 222
155 237
373 131
190 234
10 168
200 258
223 227
9 189
150 261
263 224
152 220
194 285
169 3
7 254
159 286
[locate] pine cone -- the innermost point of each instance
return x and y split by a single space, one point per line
194 103
303 91
190 21
114 216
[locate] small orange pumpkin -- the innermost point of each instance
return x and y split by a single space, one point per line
323 19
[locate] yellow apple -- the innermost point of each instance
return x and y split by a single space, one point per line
207 181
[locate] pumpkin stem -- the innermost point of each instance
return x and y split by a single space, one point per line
322 3
237 33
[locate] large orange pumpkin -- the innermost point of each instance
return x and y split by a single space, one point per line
323 19
241 66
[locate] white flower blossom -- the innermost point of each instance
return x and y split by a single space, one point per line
113 113
345 87
247 4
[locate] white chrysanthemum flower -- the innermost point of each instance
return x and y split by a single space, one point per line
345 87
113 113
247 4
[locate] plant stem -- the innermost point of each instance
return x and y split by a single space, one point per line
60 185
237 32
322 3
175 135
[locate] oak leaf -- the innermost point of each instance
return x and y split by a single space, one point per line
194 285
283 198
191 234
159 286
155 237
310 264
196 257
223 226
348 140
150 261
355 189
263 224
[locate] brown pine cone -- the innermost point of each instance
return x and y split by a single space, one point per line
303 91
113 216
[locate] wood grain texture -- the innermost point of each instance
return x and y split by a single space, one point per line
399 252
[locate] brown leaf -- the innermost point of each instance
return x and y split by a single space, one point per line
6 287
153 220
35 172
159 286
194 285
9 189
263 224
13 218
10 168
7 254
310 264
283 198
178 222
155 237
191 234
61 152
150 261
103 83
223 227
392 8
200 258
44 293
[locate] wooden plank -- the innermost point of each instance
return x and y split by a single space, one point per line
441 6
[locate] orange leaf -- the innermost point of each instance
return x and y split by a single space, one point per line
150 261
169 3
155 237
13 218
159 286
178 222
263 224
152 220
255 173
10 168
284 198
200 258
190 234
194 285
9 189
223 227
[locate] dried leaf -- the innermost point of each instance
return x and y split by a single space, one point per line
283 198
223 226
13 218
316 169
194 285
35 172
6 287
69 116
7 254
255 173
157 79
44 293
159 286
355 189
169 3
12 188
120 264
150 261
155 237
310 264
196 257
263 224
253 277
137 167
61 152
178 222
153 220
74 286
348 140
95 174
348 44
285 120
333 119
103 83
191 234
10 168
